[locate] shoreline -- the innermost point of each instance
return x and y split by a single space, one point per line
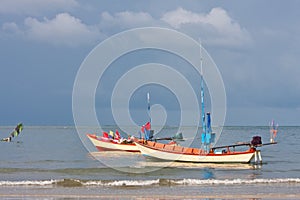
240 196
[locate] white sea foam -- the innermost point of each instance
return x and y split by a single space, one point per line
123 183
27 182
190 182
233 181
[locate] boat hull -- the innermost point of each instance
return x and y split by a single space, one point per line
186 154
110 145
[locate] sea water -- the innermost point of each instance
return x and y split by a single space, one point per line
53 162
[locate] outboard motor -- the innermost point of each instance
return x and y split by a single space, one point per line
256 140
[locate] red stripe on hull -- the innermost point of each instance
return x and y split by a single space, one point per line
107 149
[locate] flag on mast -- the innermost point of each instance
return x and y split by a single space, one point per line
273 131
15 133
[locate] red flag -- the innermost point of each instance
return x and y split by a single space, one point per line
117 135
143 129
147 126
105 134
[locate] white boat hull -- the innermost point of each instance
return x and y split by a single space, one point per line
238 157
109 145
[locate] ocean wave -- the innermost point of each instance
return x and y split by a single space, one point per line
141 183
234 181
123 183
27 183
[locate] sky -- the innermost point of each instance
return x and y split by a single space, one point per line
255 45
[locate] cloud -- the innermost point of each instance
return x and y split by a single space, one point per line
33 7
178 17
64 29
126 19
216 27
10 27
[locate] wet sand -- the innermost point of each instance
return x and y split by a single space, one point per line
266 191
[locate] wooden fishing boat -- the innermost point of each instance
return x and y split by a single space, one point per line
224 154
108 144
114 142
207 153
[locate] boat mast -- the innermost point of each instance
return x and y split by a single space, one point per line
203 135
148 108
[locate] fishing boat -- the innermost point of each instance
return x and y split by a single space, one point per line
112 141
222 154
207 153
108 144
